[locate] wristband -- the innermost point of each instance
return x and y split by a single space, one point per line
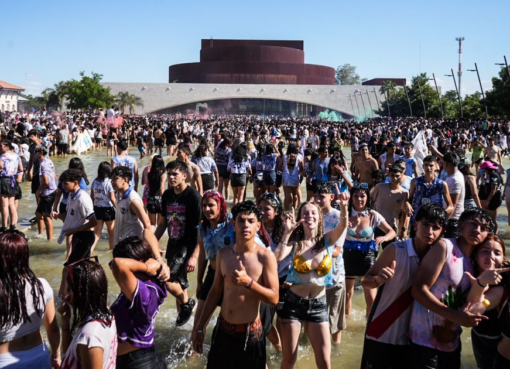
249 285
146 267
481 285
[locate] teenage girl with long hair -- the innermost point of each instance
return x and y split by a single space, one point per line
156 179
26 301
103 197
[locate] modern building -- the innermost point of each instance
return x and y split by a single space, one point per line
380 81
253 77
9 95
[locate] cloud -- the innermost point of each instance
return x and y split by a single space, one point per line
35 83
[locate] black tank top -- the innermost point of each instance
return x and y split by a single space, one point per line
468 194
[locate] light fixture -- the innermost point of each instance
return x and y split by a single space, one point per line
215 89
309 90
238 89
262 90
286 90
332 91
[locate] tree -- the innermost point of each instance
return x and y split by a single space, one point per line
38 103
346 75
88 93
385 90
498 99
124 99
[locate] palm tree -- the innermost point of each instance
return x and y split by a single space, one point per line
125 99
385 90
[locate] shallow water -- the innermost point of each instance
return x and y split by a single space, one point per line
173 342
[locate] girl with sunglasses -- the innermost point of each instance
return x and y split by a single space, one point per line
26 301
360 248
90 341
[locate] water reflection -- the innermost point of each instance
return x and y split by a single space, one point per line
172 342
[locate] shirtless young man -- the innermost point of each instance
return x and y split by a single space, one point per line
247 274
194 179
158 139
492 151
364 166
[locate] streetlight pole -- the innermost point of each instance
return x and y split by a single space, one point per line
371 109
422 101
408 101
481 89
362 101
460 39
439 95
458 93
505 64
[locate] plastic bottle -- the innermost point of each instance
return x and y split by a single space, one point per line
479 307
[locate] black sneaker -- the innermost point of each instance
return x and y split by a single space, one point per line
186 311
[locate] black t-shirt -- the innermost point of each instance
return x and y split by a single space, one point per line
139 141
492 179
182 213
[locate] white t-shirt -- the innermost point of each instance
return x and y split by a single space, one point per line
11 333
79 209
456 185
93 334
102 191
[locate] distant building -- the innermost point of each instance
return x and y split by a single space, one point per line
380 81
9 96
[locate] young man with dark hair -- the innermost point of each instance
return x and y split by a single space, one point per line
364 165
247 274
439 291
427 189
181 213
336 294
46 191
194 178
386 338
457 188
410 160
124 160
131 218
387 200
80 218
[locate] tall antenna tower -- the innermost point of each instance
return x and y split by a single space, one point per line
460 39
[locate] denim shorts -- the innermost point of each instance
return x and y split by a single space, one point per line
269 178
309 310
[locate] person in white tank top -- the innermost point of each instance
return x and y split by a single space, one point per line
386 339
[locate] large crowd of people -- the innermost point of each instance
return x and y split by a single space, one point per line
411 213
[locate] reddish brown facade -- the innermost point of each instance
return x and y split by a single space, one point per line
252 62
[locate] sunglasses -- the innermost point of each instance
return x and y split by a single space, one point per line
272 196
70 266
360 185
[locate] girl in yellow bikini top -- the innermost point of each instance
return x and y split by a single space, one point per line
323 274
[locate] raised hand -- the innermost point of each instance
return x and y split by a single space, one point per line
290 224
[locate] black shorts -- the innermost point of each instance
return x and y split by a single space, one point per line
223 172
81 244
106 214
171 142
281 296
207 181
7 186
357 262
207 284
501 362
429 358
35 183
98 140
62 148
495 202
379 355
158 142
177 259
309 186
309 310
236 346
485 350
266 316
143 358
62 208
46 204
238 179
154 205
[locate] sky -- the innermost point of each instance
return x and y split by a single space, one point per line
44 42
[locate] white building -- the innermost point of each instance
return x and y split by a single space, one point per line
9 96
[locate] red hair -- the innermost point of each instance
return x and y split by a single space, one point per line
218 197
